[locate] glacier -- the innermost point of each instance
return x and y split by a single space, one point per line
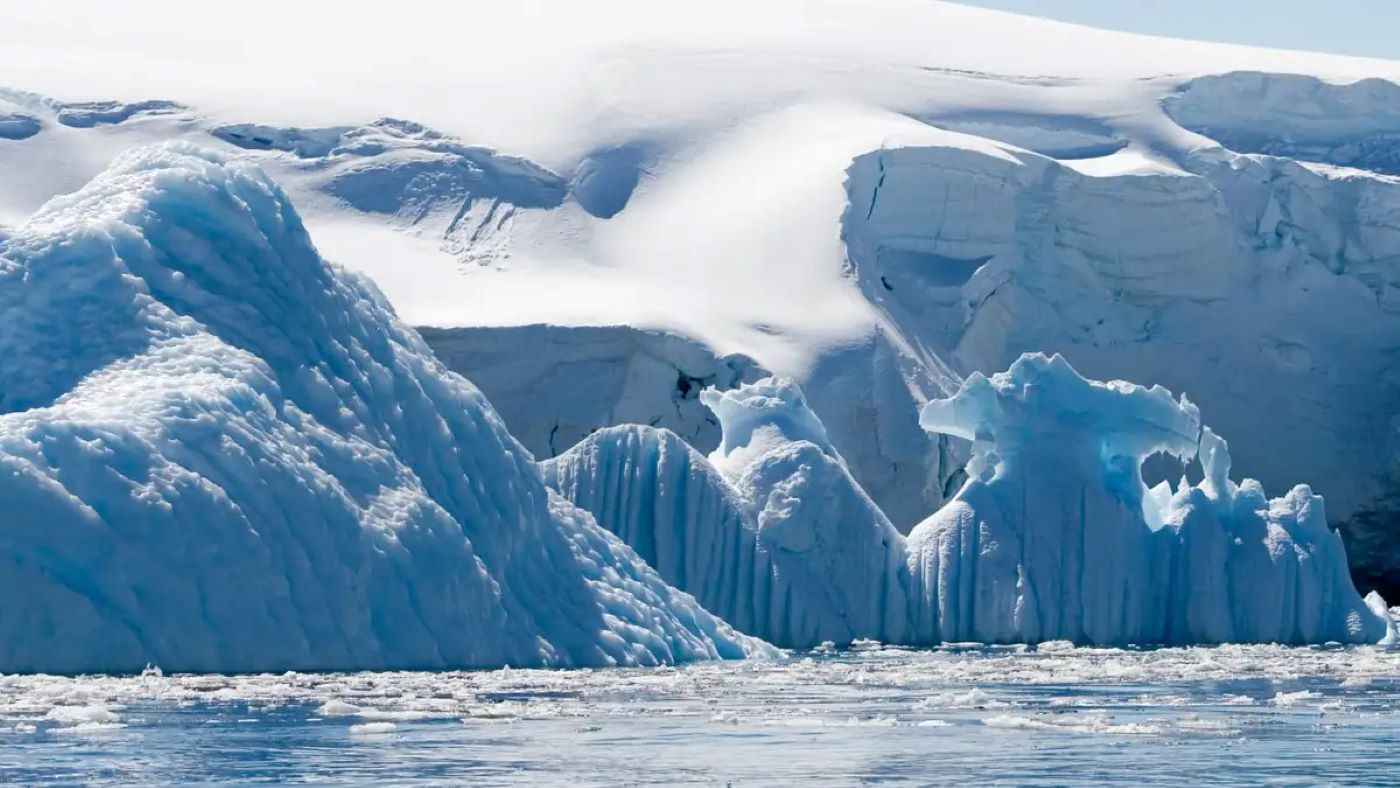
220 453
594 228
1053 536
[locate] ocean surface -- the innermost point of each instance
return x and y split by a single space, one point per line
1052 715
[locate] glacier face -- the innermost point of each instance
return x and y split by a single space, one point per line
1264 287
1296 116
218 453
1054 536
576 380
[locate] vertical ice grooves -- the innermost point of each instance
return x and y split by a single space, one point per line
1047 540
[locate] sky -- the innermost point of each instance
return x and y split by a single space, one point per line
1365 28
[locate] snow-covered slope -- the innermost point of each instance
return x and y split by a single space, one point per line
219 453
1054 535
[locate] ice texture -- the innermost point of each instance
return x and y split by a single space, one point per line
86 114
17 126
661 192
772 533
576 380
1089 259
1054 536
1295 115
220 453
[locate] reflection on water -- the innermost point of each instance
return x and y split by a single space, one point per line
1050 715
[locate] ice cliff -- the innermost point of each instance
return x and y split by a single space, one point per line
1053 536
219 453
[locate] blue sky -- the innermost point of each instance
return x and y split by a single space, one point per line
1350 27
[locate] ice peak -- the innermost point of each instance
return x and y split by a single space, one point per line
758 415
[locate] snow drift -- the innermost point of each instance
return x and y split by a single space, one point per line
219 453
1054 535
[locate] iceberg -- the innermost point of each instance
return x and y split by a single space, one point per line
1054 535
220 453
771 533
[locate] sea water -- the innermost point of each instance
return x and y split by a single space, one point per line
1052 714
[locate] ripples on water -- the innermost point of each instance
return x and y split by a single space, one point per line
1053 714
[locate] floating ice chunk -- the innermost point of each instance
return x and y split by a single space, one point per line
90 728
974 698
338 708
1293 698
1377 605
76 715
373 729
934 724
1081 723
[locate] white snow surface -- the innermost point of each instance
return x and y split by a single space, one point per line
218 453
1053 537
